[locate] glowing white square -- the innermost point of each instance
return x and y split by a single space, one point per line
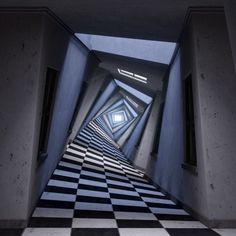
118 118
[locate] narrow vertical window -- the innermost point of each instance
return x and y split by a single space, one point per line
47 112
190 142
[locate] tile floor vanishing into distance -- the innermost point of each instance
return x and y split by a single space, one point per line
95 191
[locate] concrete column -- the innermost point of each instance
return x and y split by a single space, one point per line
143 154
92 92
21 42
215 112
130 145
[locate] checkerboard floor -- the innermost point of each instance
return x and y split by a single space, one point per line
95 191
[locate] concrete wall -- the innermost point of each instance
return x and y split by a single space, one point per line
216 85
168 171
206 53
31 43
65 54
142 157
20 52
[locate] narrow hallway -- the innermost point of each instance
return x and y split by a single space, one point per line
95 191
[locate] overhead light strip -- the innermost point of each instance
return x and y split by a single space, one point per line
140 77
133 76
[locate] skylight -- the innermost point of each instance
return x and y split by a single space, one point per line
148 50
132 76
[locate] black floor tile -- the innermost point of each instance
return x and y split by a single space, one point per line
56 189
125 197
94 232
93 199
131 208
92 187
192 232
94 214
56 204
138 224
11 232
174 217
50 222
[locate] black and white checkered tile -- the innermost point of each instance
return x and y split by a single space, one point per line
95 191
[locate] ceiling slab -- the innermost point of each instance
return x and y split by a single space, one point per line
153 19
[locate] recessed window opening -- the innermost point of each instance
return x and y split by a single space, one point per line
190 142
133 75
48 105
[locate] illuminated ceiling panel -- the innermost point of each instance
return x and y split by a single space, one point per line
148 50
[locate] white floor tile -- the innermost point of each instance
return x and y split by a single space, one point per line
124 192
132 173
93 223
66 173
78 147
142 232
90 193
93 174
109 160
92 167
168 211
53 212
93 161
70 165
143 184
114 170
76 152
119 183
92 183
158 200
182 224
58 196
117 166
94 151
93 206
226 232
64 184
134 215
123 202
116 176
125 167
94 155
79 160
137 178
47 232
140 190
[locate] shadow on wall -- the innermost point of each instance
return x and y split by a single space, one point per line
70 80
167 171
